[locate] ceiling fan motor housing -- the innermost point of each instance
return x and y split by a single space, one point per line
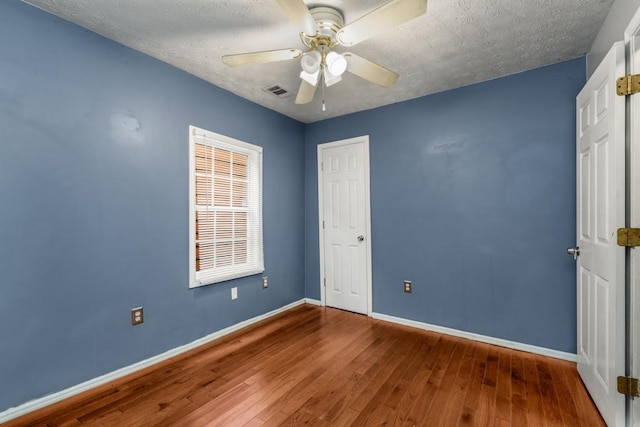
328 20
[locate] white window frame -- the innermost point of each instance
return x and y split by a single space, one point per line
197 135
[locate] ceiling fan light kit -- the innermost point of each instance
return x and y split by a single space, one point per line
322 29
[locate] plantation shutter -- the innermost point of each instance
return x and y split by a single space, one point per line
228 209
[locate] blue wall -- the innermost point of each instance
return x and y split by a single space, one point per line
472 198
94 205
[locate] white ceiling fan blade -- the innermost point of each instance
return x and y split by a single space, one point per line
299 14
305 93
370 71
387 16
261 57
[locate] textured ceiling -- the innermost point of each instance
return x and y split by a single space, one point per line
456 43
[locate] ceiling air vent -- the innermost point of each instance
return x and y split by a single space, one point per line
277 91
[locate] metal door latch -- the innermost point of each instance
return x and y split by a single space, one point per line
574 251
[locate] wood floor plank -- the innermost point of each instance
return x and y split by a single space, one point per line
487 399
436 412
323 406
318 366
319 377
438 361
375 409
288 379
254 422
402 388
458 391
310 407
276 419
362 371
274 363
564 393
379 390
485 412
548 393
491 370
503 390
390 368
347 418
535 409
360 381
471 401
584 404
518 391
418 381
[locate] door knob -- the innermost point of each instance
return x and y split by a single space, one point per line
574 251
361 238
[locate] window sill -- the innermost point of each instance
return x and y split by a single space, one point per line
210 280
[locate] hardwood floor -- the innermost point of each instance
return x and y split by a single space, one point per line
326 367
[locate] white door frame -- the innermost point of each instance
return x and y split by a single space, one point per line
632 44
357 140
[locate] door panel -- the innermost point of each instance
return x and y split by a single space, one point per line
343 182
584 181
600 154
584 325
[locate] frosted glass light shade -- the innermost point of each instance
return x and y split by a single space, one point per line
311 62
311 78
330 79
336 64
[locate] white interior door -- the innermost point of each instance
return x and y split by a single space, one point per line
344 224
632 39
600 166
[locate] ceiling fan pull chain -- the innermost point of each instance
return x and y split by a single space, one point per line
324 107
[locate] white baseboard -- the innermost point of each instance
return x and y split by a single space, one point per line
477 337
313 301
50 399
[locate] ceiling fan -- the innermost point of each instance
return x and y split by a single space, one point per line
322 29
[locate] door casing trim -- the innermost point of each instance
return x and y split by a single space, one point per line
632 40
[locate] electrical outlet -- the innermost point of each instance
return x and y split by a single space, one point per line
265 283
234 293
137 316
408 286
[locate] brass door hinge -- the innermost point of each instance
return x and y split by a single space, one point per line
629 237
628 386
628 85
